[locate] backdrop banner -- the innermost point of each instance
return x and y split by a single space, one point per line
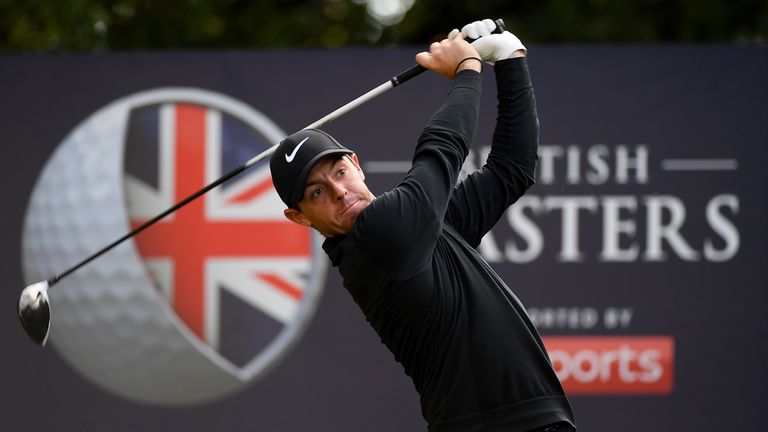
639 254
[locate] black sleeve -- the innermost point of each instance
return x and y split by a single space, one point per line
481 199
403 225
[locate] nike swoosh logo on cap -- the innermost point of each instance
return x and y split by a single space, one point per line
289 157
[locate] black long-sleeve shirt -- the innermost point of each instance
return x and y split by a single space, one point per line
409 262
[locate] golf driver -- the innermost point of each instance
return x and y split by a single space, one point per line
34 308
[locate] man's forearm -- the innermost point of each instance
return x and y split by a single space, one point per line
516 137
460 110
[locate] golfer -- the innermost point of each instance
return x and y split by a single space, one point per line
408 256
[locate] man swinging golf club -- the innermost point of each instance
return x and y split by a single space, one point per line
407 257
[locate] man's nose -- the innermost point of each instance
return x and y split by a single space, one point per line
339 190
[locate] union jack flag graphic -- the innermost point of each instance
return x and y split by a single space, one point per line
232 267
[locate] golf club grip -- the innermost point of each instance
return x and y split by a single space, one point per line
417 70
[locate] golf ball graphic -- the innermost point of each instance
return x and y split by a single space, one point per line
121 320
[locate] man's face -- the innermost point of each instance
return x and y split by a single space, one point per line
334 196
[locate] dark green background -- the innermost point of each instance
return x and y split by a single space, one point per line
109 25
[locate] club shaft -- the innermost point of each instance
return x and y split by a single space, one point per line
392 83
395 81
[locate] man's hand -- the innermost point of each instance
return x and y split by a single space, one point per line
445 57
492 47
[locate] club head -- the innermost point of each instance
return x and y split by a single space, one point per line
35 312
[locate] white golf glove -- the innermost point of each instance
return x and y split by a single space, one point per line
491 47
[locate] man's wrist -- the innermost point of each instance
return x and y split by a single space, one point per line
517 53
473 63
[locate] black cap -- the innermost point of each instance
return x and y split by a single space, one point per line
294 158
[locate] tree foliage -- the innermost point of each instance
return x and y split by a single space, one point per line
99 25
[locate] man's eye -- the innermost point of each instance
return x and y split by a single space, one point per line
342 171
316 192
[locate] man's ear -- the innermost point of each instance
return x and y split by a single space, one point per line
296 216
353 158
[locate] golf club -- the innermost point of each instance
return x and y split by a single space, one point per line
34 308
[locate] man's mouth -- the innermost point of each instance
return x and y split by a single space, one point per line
350 208
343 212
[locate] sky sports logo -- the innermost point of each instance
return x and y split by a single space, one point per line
595 365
